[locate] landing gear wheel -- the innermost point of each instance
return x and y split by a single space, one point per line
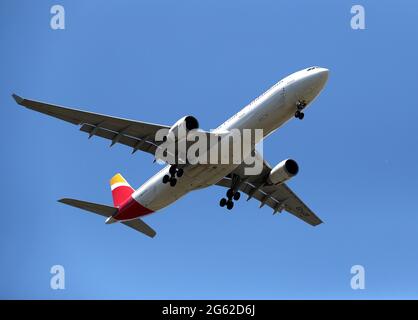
180 172
237 195
173 182
230 193
299 115
166 178
172 170
229 204
222 203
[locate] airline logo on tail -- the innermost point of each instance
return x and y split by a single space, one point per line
121 190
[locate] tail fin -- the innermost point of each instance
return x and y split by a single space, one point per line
121 190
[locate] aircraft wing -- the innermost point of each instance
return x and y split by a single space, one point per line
278 197
135 134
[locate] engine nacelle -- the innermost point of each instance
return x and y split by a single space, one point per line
283 171
183 125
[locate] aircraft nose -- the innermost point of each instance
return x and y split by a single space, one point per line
311 83
321 77
317 80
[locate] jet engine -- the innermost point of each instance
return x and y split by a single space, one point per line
283 171
183 125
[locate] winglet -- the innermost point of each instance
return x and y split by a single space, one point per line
18 99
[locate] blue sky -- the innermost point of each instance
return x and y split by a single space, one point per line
157 61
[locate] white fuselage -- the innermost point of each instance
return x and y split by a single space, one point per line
268 112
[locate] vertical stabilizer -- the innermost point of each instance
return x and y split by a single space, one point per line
121 190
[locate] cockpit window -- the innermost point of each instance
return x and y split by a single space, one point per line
311 68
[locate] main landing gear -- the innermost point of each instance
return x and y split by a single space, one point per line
231 195
174 171
300 105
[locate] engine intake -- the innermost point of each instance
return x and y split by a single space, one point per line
183 125
191 123
283 171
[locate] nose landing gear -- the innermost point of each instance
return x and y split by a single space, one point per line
174 171
300 105
299 115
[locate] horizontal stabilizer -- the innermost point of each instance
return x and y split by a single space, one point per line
18 99
140 226
108 211
103 210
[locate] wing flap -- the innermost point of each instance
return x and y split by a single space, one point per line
120 137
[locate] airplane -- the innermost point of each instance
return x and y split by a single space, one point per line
285 100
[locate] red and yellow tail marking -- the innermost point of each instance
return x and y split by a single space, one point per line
121 190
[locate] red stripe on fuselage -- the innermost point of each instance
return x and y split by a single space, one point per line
131 209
